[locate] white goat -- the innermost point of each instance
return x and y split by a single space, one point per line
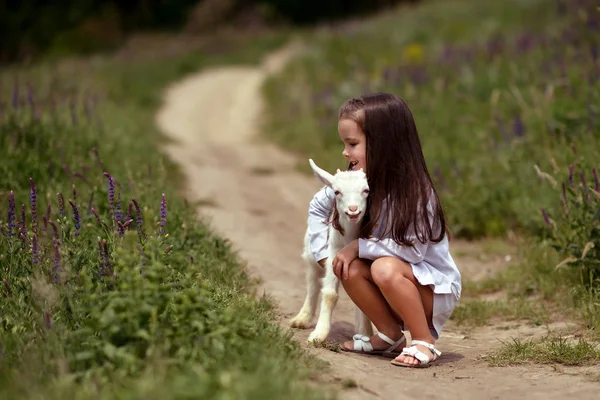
351 189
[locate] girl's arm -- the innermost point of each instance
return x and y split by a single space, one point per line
318 215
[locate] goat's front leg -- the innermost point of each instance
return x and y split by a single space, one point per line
313 285
329 292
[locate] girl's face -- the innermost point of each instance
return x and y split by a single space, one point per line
355 144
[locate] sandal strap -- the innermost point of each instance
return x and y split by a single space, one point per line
393 344
428 345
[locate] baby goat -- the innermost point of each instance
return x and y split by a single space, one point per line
351 191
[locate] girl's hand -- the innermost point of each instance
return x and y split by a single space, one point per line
341 261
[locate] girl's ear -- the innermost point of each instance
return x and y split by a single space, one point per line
323 175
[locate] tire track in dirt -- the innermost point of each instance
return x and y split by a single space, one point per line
252 195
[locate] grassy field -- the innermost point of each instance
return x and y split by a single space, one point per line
109 285
506 97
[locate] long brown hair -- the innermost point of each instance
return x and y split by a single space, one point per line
396 170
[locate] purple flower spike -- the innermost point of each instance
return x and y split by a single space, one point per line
23 221
95 212
76 218
33 201
545 216
61 204
118 209
74 191
111 192
54 228
138 218
163 214
12 214
34 250
57 259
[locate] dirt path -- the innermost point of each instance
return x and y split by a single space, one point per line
251 194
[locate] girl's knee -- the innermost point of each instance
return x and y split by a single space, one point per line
358 269
389 271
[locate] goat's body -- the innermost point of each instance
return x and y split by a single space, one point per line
324 281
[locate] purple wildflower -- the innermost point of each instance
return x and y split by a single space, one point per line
74 191
127 223
118 208
545 216
61 204
76 218
130 211
23 221
33 201
163 214
57 259
111 192
138 218
54 228
12 215
34 249
120 228
95 212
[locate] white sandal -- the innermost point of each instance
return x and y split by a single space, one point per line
419 355
362 344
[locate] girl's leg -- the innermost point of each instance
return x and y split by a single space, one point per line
367 296
408 298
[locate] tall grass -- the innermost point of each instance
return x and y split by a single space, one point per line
109 285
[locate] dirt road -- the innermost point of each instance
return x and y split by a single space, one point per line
249 191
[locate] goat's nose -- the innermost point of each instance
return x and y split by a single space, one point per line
352 208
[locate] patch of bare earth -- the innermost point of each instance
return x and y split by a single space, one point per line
249 191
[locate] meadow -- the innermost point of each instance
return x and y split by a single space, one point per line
506 96
110 286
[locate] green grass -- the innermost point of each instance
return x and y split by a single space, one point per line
146 314
553 349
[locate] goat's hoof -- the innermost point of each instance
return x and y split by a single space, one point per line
317 336
300 321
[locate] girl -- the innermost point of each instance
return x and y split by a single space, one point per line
399 272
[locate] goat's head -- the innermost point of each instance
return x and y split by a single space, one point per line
351 191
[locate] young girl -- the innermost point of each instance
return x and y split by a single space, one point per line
399 272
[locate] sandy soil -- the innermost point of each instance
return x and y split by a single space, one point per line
249 191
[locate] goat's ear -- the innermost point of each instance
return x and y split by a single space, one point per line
323 175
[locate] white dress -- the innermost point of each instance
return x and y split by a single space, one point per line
431 263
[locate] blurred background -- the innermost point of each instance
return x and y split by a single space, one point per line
29 28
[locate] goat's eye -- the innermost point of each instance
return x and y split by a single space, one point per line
337 192
366 191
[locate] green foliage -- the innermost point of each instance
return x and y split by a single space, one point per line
574 232
109 286
495 88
